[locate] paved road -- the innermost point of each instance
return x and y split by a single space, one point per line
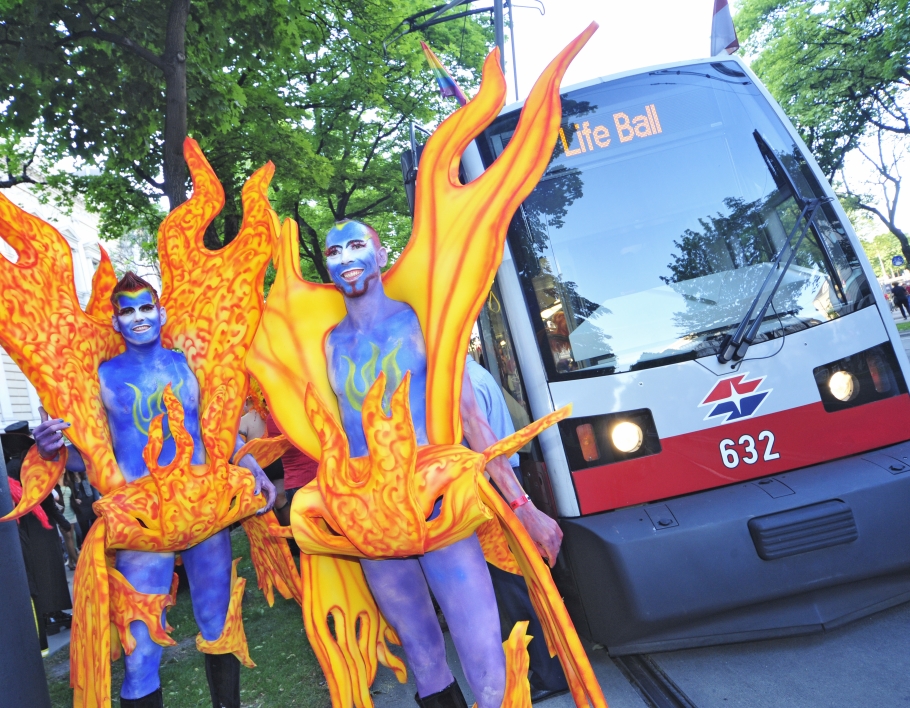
865 663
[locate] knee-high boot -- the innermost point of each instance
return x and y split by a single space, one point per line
152 700
223 673
449 697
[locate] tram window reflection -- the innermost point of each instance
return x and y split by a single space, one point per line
647 251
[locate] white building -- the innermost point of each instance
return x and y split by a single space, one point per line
18 399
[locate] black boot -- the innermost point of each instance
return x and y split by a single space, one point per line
152 700
223 673
449 697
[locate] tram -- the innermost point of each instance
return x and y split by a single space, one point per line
737 462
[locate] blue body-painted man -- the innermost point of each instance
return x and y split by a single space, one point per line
382 334
132 384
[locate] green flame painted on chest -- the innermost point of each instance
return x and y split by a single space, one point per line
369 371
145 408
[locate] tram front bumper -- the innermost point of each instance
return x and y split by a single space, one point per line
798 552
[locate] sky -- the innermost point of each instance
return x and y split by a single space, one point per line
632 34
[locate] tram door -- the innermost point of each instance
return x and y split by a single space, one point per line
492 348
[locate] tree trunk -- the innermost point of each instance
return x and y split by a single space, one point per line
314 253
175 172
311 250
211 239
905 245
231 227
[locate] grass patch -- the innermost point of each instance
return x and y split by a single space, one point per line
287 674
903 326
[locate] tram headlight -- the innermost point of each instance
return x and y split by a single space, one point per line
626 436
858 379
598 440
843 386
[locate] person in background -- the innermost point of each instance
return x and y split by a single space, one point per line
71 538
299 470
547 678
291 471
84 496
899 293
40 539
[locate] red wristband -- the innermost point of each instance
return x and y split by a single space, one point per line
521 501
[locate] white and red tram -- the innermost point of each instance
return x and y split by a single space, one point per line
737 464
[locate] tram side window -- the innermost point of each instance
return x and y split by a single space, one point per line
492 348
491 345
658 220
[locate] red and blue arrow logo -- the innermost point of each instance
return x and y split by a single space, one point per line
735 398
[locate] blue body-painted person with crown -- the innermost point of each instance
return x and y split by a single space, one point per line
380 334
132 385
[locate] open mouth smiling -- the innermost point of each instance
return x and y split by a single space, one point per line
139 329
352 275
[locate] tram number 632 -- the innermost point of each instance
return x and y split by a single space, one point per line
731 456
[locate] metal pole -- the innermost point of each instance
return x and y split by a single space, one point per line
22 678
512 42
500 34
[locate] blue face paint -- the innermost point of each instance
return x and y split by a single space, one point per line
351 258
138 318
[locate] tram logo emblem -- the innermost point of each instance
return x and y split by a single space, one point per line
735 398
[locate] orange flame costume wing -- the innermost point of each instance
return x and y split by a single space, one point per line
214 298
58 347
376 506
214 303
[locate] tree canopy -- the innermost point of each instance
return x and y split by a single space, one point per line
880 250
841 71
113 87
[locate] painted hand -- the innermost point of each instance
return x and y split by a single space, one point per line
263 483
49 435
545 532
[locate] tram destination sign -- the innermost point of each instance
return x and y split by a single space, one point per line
588 138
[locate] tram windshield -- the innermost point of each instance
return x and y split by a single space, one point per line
657 220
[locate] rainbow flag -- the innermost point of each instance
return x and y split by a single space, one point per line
447 84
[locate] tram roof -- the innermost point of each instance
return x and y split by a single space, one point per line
634 72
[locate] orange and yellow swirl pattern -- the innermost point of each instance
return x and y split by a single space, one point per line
181 504
233 638
128 605
57 345
214 298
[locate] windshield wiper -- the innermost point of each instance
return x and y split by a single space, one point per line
734 347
